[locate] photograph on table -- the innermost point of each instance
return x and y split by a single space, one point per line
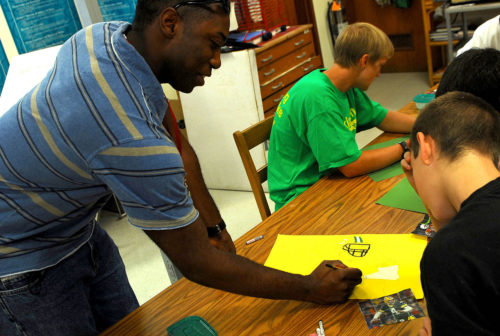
390 309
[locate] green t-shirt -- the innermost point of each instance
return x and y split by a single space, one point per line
313 132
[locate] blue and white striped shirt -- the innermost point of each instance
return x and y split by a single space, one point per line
91 127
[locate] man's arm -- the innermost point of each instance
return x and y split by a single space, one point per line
200 195
200 262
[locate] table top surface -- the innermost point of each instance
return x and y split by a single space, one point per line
334 205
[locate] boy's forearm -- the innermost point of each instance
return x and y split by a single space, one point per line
397 122
372 160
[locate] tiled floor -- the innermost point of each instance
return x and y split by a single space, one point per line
145 267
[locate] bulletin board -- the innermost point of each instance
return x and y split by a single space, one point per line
4 66
37 24
117 10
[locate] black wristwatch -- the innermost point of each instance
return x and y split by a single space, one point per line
405 149
214 231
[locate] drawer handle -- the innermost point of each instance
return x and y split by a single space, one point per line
267 59
277 100
302 55
269 73
309 68
277 86
299 43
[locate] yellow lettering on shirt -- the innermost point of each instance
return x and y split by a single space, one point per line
285 98
279 110
352 122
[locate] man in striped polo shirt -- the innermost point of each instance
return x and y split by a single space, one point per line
92 127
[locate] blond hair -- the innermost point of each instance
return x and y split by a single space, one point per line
358 39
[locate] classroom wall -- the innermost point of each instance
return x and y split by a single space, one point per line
325 39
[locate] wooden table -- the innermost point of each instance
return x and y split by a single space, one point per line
334 205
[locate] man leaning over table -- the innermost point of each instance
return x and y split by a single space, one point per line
317 120
93 126
455 147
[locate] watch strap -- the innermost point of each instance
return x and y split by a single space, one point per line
214 231
405 147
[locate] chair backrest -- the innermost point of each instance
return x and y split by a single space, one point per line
246 140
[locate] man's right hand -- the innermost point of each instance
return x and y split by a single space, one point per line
333 285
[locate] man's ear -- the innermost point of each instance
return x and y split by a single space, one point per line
427 148
169 21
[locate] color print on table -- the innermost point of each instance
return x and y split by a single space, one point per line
425 227
391 309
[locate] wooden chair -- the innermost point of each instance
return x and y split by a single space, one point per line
246 140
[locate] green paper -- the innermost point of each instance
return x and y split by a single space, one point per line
389 171
403 196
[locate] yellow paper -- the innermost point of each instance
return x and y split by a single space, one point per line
302 254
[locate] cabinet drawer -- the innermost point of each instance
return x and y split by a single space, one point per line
285 63
273 101
273 54
292 75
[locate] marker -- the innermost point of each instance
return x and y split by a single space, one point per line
318 332
253 240
321 329
336 266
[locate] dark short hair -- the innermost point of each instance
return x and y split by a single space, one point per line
476 71
146 12
458 121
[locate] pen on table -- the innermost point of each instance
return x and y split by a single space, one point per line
253 240
336 266
321 329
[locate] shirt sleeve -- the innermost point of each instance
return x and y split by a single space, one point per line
331 138
369 113
148 178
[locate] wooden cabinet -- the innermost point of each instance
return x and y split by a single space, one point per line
283 61
246 89
402 25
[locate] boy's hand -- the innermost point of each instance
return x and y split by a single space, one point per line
426 328
406 165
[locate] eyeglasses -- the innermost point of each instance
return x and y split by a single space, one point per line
225 3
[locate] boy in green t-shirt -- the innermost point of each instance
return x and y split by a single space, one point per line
317 120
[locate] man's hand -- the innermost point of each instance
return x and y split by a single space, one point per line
223 241
333 285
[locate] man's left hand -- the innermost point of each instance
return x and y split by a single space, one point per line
223 241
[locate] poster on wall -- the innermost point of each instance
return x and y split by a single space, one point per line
117 10
37 24
4 66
